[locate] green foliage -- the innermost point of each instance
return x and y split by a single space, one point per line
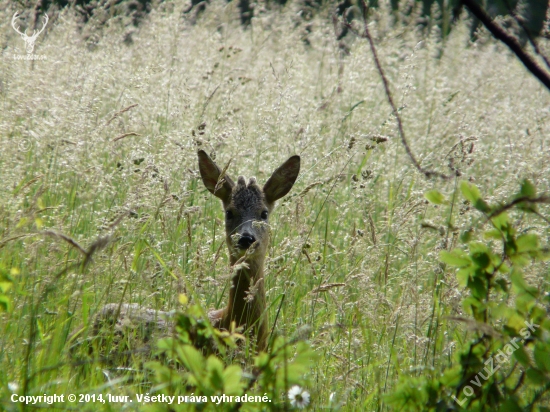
472 194
435 197
506 363
200 381
6 283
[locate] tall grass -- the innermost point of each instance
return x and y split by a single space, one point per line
74 161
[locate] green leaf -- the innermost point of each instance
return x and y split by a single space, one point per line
478 247
435 197
526 301
504 268
538 314
472 305
463 275
215 371
519 283
522 357
515 321
472 194
501 221
527 243
233 385
5 303
456 257
493 234
536 376
542 357
528 189
470 191
452 376
163 373
511 405
502 311
466 236
5 286
22 222
517 280
478 288
481 259
502 285
482 206
519 260
192 359
262 360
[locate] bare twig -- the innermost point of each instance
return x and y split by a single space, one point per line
510 41
367 35
527 32
524 199
122 136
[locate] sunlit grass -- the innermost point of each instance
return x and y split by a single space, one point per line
262 95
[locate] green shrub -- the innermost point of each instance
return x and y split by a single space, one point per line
506 363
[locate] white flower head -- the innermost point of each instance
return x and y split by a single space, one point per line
13 386
298 397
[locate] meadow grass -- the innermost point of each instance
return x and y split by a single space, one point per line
74 161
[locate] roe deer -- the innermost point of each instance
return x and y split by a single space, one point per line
247 209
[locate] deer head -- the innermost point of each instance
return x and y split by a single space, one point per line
247 206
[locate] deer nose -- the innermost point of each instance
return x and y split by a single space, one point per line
246 240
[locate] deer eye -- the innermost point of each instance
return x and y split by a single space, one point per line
229 215
264 214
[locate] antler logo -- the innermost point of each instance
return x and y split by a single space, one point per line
29 40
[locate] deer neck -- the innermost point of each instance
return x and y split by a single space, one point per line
247 296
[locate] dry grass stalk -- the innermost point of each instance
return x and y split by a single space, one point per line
117 114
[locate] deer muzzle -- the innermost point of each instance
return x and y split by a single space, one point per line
246 240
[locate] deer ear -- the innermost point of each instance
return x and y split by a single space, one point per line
210 174
282 180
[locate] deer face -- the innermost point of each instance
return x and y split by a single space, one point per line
246 218
247 206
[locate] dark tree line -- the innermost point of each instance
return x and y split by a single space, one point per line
527 18
521 22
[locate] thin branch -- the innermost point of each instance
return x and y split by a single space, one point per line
510 41
367 35
122 136
526 199
527 32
